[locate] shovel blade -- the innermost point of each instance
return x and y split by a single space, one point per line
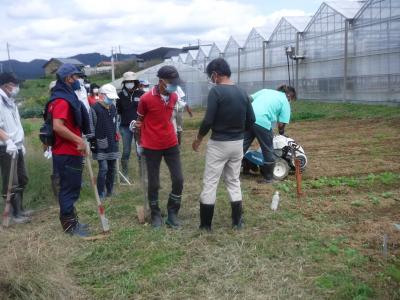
140 214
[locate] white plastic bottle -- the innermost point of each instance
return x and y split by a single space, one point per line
275 201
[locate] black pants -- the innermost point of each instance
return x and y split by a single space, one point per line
153 162
265 139
20 177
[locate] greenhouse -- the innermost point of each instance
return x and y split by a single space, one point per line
347 51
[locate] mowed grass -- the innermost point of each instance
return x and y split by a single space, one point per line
325 245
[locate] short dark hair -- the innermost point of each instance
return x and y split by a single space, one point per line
8 77
219 66
287 89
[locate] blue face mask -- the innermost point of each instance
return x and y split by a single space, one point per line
108 101
76 85
171 88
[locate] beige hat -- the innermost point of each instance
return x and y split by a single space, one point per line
109 90
129 76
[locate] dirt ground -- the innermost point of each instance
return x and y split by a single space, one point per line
349 147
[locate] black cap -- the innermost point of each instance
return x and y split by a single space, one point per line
170 73
8 77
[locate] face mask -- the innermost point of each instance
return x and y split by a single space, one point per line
14 92
108 101
95 91
76 85
81 81
171 88
87 86
129 85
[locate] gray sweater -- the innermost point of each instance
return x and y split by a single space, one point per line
229 113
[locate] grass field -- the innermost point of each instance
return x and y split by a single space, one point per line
325 245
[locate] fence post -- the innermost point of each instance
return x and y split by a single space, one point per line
264 63
346 50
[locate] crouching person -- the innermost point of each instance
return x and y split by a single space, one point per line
105 142
228 115
158 139
70 120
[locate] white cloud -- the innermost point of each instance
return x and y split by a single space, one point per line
45 29
29 9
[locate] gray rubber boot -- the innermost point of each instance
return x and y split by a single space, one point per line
71 226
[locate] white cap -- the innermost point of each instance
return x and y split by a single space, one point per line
109 90
129 76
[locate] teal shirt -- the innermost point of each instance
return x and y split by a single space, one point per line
270 107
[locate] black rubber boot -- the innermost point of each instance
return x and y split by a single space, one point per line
206 216
268 173
156 219
22 211
237 215
17 216
173 206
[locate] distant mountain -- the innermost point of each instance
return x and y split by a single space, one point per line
34 69
25 70
93 59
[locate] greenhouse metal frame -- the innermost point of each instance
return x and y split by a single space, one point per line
347 51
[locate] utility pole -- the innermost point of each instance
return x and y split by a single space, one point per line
9 58
112 65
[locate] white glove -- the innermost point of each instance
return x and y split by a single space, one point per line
11 147
23 150
132 126
139 149
48 154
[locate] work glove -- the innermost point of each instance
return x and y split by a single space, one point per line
48 154
23 150
132 126
11 147
139 149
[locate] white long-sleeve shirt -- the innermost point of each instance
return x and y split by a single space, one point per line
10 120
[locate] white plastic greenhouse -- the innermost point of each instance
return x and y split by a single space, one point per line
348 51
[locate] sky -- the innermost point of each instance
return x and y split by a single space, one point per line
62 28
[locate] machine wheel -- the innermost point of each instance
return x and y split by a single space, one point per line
281 169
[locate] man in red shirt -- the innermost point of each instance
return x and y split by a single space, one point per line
70 120
158 139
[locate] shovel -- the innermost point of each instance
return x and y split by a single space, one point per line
100 207
143 211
